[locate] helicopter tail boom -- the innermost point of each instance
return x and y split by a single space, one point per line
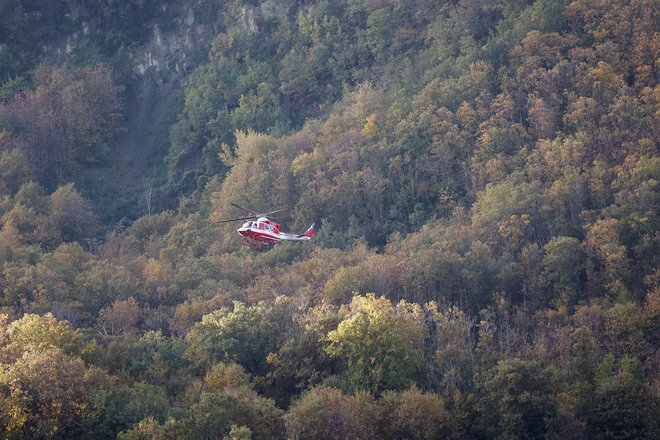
309 233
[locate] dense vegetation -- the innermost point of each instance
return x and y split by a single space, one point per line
485 177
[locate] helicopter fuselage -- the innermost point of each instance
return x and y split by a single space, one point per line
263 230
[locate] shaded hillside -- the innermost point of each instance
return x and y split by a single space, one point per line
151 47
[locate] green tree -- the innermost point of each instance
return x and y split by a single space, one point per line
117 406
622 406
215 415
563 266
149 429
245 335
260 112
15 169
381 345
518 401
70 216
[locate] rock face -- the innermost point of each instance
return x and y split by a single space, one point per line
175 51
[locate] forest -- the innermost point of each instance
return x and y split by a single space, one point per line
483 175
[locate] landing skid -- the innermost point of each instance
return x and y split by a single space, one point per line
256 246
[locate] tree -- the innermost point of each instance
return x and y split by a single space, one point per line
153 359
122 317
149 429
46 394
70 216
117 406
216 414
101 283
239 433
610 265
498 202
451 343
563 265
517 401
244 335
260 112
623 407
380 345
68 121
15 170
381 26
227 378
326 413
37 333
412 414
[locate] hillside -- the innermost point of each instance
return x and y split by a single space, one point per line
484 176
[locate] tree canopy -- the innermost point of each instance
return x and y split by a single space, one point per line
484 177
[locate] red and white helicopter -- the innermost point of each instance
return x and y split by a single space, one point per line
260 232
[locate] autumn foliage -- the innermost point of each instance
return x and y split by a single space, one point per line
484 176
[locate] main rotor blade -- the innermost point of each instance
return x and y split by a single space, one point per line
235 219
255 214
272 212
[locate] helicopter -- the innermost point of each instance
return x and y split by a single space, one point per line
260 232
